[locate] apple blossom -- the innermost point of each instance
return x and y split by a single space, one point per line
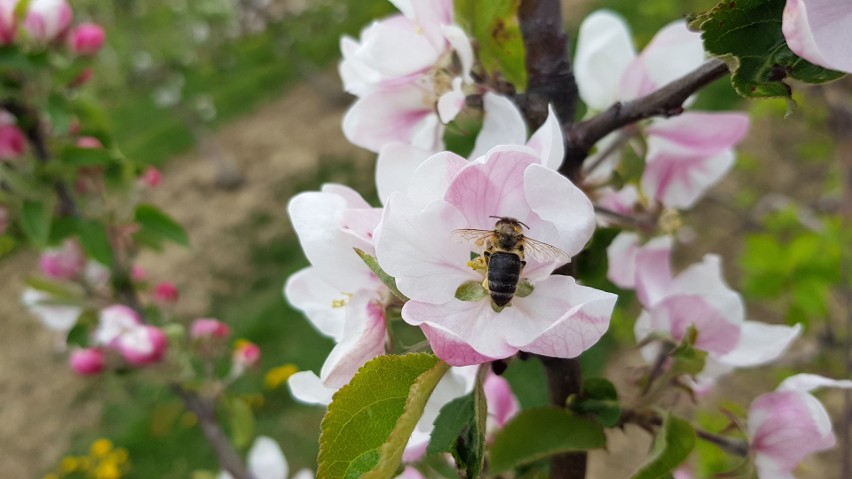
113 322
819 32
415 245
208 328
47 19
151 177
87 361
266 461
686 154
8 21
246 355
788 424
89 142
57 317
166 293
142 345
64 263
87 39
13 143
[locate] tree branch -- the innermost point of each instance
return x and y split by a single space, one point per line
645 420
667 101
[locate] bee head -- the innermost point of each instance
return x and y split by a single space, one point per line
508 226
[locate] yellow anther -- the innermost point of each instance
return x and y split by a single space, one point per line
670 221
477 264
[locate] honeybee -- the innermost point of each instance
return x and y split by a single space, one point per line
504 250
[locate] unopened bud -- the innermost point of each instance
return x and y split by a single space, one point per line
87 361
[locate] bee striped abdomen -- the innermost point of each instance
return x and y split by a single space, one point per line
504 272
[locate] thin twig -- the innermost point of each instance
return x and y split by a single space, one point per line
645 419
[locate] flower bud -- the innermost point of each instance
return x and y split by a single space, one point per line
12 142
89 142
166 293
246 355
113 322
64 263
8 21
142 345
47 19
87 39
87 361
208 328
151 177
138 273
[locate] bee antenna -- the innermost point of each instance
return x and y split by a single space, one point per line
525 225
496 217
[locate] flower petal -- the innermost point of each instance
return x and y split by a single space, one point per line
502 404
503 125
621 255
760 343
395 166
810 382
363 339
451 102
265 459
548 141
673 52
677 178
653 271
461 45
433 177
702 133
307 387
306 291
818 31
604 51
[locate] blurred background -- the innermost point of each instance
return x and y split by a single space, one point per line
239 104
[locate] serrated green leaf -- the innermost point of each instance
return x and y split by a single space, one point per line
494 26
385 278
675 440
76 156
542 432
747 34
459 430
157 226
471 291
241 419
35 220
95 241
599 399
371 419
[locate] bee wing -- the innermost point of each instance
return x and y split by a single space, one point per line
467 235
544 252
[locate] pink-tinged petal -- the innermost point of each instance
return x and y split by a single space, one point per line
760 343
433 177
653 271
677 177
767 469
417 249
395 47
717 333
352 198
410 472
604 51
503 125
621 255
819 31
461 45
402 113
673 52
585 314
705 278
13 143
451 102
363 339
597 171
460 332
557 201
64 263
307 387
87 361
142 345
113 322
306 291
87 39
265 460
810 382
622 201
47 19
395 167
8 21
702 133
548 141
502 404
358 79
318 218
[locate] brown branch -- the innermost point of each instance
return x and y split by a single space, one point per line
737 447
203 409
667 101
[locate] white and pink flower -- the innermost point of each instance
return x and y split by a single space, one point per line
266 461
47 19
415 245
13 143
787 425
64 263
204 329
121 328
8 21
820 31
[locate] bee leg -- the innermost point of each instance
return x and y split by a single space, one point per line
478 264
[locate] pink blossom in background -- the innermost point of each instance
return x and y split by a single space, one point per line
64 263
166 293
115 321
415 245
13 143
151 177
89 142
208 328
246 355
8 21
502 403
138 273
47 19
787 425
820 31
142 345
87 361
87 39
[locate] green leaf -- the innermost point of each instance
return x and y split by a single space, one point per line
385 278
674 442
241 419
95 241
471 291
35 220
156 226
78 336
747 34
76 156
58 290
494 25
541 432
525 288
371 419
599 399
60 114
460 430
688 360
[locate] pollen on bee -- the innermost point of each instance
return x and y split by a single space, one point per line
477 264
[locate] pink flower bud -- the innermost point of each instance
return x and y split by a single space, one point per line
8 22
151 177
65 263
12 142
138 273
207 328
47 19
246 355
87 361
87 39
89 142
166 293
142 345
